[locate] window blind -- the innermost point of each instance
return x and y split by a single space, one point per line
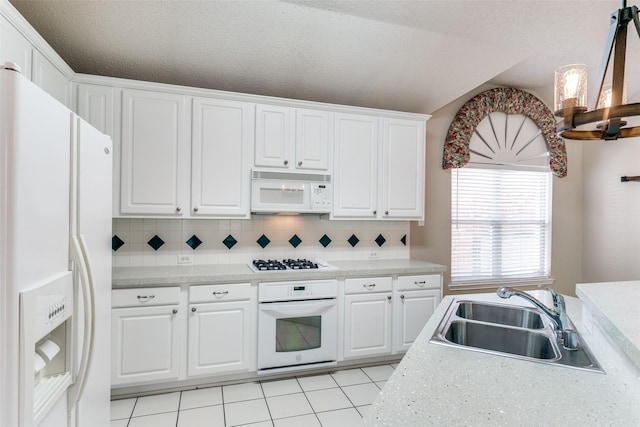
501 225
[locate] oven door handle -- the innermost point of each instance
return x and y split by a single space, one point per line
298 308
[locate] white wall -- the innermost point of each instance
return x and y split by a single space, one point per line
432 242
611 228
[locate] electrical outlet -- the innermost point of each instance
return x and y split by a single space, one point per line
185 259
373 255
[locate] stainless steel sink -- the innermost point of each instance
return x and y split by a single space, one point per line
500 313
508 330
515 341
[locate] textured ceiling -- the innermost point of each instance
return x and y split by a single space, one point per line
403 55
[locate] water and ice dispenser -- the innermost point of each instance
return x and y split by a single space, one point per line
45 347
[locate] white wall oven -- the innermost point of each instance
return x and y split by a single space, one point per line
297 325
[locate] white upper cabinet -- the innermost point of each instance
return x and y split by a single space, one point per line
221 158
154 154
14 47
313 139
355 166
378 168
403 151
49 78
292 138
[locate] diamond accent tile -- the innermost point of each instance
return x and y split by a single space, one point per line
263 241
295 241
353 240
325 240
194 242
116 242
155 242
229 241
404 240
380 240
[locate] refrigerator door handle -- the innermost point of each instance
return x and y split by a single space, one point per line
81 258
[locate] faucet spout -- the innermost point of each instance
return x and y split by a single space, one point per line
557 315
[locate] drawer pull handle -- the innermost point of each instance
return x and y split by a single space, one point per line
217 293
369 286
175 311
145 298
421 283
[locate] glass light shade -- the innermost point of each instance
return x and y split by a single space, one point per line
605 96
570 87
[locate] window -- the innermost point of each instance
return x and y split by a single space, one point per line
501 226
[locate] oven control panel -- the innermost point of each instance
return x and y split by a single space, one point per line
298 290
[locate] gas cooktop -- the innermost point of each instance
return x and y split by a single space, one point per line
289 264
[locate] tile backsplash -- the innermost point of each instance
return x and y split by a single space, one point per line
148 242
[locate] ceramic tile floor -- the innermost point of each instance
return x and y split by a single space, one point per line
338 399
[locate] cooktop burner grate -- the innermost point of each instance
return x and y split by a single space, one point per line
287 264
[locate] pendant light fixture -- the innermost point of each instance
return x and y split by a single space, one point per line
570 95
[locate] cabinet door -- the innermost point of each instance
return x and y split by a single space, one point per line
222 337
96 105
367 325
313 141
154 154
273 136
413 310
145 344
50 79
221 158
355 166
403 166
14 47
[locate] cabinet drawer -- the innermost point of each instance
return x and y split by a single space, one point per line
427 281
367 285
139 297
216 293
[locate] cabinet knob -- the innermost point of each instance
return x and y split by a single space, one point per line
386 212
402 297
286 162
175 311
178 209
375 212
195 209
300 163
193 309
389 297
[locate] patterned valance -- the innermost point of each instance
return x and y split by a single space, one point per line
510 101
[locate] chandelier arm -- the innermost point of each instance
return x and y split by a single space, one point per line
619 111
618 70
584 135
608 49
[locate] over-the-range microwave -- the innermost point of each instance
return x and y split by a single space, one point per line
290 192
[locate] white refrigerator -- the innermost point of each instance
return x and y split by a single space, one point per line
55 262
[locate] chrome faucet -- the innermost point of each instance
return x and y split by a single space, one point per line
557 315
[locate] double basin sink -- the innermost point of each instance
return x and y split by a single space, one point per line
507 330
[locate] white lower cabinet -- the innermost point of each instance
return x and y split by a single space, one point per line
222 329
145 340
416 298
367 315
381 319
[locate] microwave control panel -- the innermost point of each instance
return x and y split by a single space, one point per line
321 198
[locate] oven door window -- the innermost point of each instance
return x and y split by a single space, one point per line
298 333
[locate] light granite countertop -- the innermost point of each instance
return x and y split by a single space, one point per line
127 277
444 386
615 305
